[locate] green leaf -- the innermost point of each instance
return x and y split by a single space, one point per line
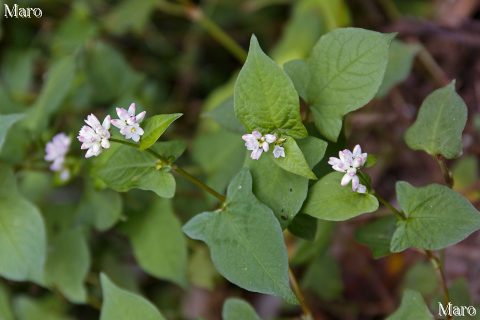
220 155
68 263
282 191
306 250
346 69
265 98
123 168
377 235
465 172
439 125
5 304
400 62
435 210
154 128
48 307
158 242
304 226
324 278
299 73
245 240
6 122
119 304
237 309
421 277
100 208
57 86
74 31
294 160
201 271
108 74
412 307
328 200
309 20
22 233
17 71
129 15
300 33
224 115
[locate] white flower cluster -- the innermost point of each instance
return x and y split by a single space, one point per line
349 162
257 143
129 123
95 136
56 151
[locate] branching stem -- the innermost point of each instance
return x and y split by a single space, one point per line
221 198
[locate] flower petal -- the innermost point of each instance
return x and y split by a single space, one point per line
270 138
131 110
346 179
140 116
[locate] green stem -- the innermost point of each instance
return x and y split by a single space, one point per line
299 294
221 198
176 169
198 183
387 204
196 14
447 174
441 276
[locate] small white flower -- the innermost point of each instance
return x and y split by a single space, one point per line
95 136
279 152
257 143
129 123
349 162
55 152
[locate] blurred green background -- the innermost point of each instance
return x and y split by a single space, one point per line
85 56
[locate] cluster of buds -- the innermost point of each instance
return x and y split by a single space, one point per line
258 143
349 162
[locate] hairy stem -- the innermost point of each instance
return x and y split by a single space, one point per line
176 169
299 294
441 276
387 204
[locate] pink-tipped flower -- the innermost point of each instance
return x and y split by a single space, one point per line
95 136
349 162
56 151
129 123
